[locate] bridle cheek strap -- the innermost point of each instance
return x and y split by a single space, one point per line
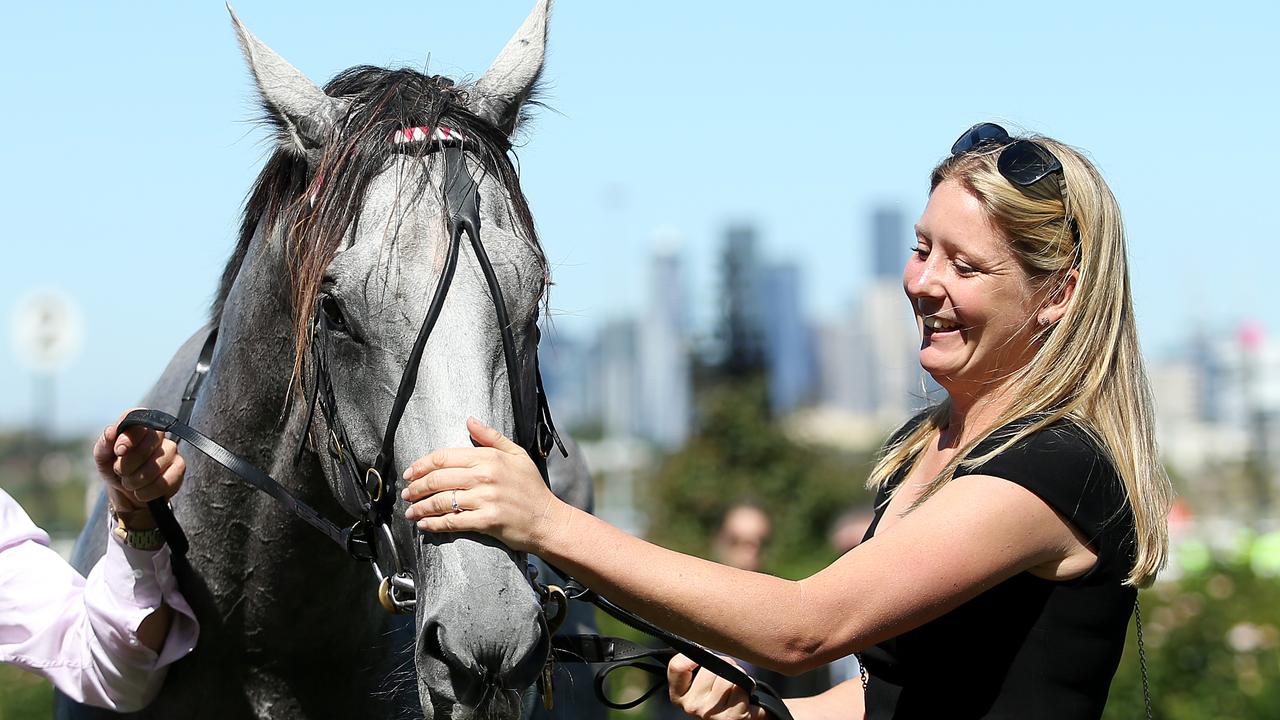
409 378
462 207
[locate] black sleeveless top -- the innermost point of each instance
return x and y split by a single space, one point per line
1027 648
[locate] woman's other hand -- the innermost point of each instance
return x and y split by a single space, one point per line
137 465
494 488
703 694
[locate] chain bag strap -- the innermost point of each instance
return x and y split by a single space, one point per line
1142 655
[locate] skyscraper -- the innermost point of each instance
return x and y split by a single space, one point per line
892 349
869 357
788 347
619 378
740 333
666 391
569 377
844 373
889 243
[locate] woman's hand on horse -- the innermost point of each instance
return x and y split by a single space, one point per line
137 465
493 488
707 695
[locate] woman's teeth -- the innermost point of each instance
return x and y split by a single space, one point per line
936 323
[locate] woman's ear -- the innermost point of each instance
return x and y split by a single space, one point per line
1059 300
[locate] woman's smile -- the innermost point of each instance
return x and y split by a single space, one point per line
934 325
975 303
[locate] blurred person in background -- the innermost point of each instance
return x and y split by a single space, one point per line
108 639
848 529
1014 520
740 540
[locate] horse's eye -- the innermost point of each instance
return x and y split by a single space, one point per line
333 313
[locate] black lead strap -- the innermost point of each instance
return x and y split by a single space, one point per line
616 653
242 469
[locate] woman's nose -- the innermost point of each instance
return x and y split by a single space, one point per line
920 279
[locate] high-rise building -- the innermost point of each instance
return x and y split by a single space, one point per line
740 333
898 384
844 372
889 243
1217 407
665 373
788 348
569 378
619 378
886 324
869 357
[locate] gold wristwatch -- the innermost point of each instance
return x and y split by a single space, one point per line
150 539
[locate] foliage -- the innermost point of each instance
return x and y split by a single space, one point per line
741 454
1212 644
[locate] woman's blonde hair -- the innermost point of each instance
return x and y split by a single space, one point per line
1088 367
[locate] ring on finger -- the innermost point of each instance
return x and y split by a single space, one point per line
456 507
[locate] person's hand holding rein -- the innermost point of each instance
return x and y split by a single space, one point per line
137 465
494 489
703 694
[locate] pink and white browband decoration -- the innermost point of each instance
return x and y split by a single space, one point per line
418 134
400 137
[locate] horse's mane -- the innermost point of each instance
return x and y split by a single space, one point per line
317 206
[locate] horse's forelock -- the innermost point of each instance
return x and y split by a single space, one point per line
316 207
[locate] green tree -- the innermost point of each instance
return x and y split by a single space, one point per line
1212 646
740 453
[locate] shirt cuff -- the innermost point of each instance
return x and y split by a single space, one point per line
144 579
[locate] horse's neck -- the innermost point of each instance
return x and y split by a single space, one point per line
243 403
246 405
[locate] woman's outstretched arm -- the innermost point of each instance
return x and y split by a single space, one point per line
974 533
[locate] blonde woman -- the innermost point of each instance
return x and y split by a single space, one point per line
1014 520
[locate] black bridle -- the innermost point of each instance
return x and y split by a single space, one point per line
374 483
370 538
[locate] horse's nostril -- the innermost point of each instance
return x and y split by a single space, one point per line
434 644
522 670
510 661
431 642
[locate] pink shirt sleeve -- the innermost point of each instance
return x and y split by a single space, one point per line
81 633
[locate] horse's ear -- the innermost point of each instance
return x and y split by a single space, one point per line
510 80
304 115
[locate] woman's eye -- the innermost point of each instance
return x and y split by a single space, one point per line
920 251
333 313
965 269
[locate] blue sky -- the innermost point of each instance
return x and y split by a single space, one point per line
128 150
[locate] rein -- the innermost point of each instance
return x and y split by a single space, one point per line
370 538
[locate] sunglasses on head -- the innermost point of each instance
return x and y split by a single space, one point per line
1022 162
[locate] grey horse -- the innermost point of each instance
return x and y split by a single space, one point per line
344 221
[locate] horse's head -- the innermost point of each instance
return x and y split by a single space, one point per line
377 189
